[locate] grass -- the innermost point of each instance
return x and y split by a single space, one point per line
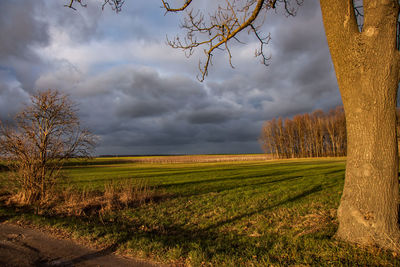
219 213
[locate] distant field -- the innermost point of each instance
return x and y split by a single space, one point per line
230 210
190 158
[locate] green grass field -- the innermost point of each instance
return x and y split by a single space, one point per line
228 213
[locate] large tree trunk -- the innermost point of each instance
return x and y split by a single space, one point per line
368 208
367 70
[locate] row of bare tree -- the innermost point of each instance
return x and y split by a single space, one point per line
318 134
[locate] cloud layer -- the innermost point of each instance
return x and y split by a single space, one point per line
141 96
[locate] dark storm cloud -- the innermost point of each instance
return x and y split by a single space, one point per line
302 47
149 94
141 97
22 31
140 107
145 108
213 116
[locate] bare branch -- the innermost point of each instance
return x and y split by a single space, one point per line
263 42
116 5
183 7
218 28
70 5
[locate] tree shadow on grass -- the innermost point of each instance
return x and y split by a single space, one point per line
224 173
211 243
282 203
207 241
157 174
335 172
219 188
222 184
212 240
261 174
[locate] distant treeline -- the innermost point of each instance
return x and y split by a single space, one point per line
317 134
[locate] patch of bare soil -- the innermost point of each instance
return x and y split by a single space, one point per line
20 246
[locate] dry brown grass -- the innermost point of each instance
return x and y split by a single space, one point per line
315 221
69 201
128 193
116 195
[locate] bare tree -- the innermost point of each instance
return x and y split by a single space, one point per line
335 125
300 128
45 134
270 138
267 138
292 142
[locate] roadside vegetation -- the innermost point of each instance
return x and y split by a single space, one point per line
234 213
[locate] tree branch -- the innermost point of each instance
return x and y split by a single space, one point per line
220 27
116 5
183 7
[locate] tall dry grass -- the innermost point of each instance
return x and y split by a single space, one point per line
70 201
127 193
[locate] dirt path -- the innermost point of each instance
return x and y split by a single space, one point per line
21 246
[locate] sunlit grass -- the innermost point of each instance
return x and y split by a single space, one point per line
280 212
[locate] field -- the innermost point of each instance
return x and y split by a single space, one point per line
209 210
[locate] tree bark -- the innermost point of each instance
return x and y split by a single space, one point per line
367 69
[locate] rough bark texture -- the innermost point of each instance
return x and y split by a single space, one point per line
367 70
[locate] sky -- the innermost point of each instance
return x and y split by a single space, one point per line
140 96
